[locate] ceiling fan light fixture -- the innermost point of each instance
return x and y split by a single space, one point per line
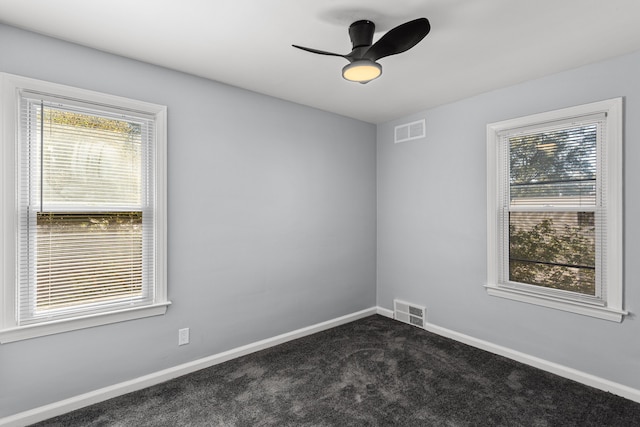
362 71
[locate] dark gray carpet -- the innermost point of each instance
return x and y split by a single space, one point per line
372 372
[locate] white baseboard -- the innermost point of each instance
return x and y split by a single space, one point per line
96 396
77 402
385 312
557 369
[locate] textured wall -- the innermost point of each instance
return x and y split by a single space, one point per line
271 224
432 224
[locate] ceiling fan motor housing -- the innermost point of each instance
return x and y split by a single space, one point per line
361 33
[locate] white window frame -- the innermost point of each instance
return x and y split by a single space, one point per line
613 306
10 330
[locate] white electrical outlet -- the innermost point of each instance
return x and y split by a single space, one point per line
183 336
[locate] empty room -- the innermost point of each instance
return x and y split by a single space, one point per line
336 213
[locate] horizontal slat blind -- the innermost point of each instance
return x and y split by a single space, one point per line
86 222
88 258
554 250
552 208
556 168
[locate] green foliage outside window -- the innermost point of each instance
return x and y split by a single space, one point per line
553 255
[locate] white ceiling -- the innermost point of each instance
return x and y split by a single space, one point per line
474 45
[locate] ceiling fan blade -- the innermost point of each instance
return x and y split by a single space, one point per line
399 39
320 52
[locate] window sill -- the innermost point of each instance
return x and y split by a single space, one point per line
55 327
606 313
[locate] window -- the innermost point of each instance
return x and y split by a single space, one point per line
84 216
555 209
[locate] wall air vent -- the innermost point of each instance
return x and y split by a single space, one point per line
409 313
410 131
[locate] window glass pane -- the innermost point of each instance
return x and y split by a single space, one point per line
555 168
553 249
85 258
89 160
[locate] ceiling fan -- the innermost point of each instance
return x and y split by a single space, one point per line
362 59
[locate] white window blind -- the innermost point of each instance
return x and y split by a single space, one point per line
553 233
85 200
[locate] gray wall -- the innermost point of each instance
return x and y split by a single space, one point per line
271 224
432 224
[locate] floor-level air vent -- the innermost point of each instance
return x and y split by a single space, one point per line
410 131
409 313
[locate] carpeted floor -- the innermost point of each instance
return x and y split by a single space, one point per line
372 372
